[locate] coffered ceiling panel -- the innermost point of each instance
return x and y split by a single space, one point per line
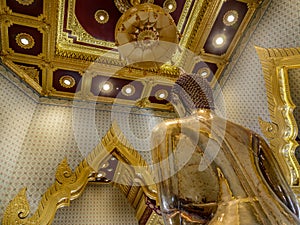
68 48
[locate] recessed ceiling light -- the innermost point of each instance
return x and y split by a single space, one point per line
101 16
204 72
170 5
106 86
67 81
230 17
24 41
219 40
128 90
161 94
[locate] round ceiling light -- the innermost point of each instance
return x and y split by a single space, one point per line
24 40
128 90
230 17
219 41
204 72
170 6
161 94
101 16
106 86
67 81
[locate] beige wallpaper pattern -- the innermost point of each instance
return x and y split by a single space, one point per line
36 137
244 89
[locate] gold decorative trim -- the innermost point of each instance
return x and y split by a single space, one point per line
67 81
132 177
101 16
282 130
233 13
68 186
32 72
25 40
25 2
64 44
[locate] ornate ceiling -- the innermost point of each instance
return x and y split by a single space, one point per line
69 48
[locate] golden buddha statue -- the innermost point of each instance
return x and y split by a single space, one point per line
213 171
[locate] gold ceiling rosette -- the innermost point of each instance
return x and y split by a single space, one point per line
146 33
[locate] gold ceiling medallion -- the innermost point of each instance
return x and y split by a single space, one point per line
67 81
282 130
146 32
25 2
230 17
161 94
170 6
124 5
204 72
128 90
101 16
25 40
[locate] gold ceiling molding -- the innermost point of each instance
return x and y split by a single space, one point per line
65 46
27 74
282 130
193 23
132 177
32 72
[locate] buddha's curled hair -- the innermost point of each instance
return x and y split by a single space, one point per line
194 91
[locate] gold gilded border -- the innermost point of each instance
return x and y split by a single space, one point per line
132 177
282 130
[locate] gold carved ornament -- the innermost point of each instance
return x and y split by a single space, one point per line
281 132
70 185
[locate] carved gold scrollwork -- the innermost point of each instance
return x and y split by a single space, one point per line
64 174
269 129
133 171
282 130
68 186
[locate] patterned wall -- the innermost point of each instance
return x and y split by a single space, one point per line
243 86
16 112
36 137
